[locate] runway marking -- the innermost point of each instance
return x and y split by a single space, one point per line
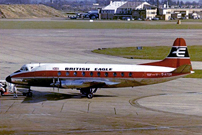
42 114
33 110
88 107
62 107
9 107
134 102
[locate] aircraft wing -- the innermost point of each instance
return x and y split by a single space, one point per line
93 83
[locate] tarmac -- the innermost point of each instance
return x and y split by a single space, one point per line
168 108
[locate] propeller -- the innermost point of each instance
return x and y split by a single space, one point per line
53 83
58 84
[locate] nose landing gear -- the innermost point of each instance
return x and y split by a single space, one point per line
28 94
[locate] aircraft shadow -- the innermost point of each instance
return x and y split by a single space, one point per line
39 96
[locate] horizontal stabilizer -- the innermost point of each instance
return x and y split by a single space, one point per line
183 69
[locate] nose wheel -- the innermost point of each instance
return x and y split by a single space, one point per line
28 94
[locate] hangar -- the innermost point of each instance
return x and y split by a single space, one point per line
124 10
176 13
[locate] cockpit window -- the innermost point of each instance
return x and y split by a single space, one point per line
24 68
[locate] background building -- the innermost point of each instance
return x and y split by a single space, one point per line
128 10
180 13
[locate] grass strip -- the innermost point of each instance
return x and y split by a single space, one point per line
68 24
147 52
197 74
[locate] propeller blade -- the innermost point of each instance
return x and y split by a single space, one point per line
58 84
53 83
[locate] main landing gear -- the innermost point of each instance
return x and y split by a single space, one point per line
88 92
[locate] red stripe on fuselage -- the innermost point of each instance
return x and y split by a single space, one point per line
80 74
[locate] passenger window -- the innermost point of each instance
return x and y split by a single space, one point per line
67 73
91 73
98 73
83 73
122 74
75 73
115 74
106 74
130 74
59 73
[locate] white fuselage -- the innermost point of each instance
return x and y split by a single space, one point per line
91 75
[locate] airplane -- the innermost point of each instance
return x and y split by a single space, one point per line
89 77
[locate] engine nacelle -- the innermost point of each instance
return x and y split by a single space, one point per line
74 84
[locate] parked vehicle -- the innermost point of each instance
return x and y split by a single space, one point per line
139 19
73 17
91 14
155 18
126 18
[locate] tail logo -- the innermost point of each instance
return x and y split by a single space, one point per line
178 52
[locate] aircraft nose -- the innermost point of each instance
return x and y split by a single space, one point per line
8 79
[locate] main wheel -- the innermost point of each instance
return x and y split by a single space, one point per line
90 95
85 91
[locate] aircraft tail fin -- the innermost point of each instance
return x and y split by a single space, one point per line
177 57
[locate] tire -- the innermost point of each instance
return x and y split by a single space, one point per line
92 17
90 96
85 91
